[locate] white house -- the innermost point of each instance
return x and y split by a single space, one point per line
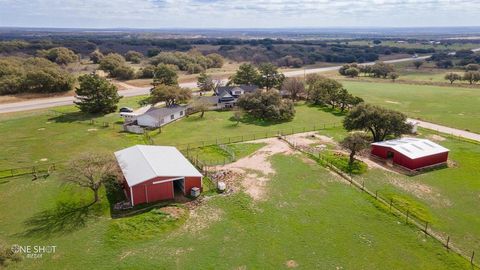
157 117
151 117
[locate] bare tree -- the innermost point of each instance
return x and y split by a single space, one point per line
91 170
200 105
355 142
238 115
294 87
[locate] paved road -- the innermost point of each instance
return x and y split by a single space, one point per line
448 130
131 91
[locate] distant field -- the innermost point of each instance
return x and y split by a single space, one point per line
454 46
451 106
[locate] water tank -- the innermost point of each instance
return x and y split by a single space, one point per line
221 186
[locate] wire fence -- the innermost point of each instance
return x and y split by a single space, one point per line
395 206
33 170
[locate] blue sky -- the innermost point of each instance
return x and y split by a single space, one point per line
238 13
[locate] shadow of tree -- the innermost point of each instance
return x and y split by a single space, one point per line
64 218
249 120
71 117
336 112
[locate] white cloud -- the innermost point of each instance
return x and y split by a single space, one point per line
237 13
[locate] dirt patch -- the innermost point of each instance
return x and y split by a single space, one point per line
253 172
41 129
201 218
392 102
174 212
92 129
437 138
44 159
291 264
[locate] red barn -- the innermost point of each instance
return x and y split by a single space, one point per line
156 173
411 153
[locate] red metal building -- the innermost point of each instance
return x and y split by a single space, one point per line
156 173
411 153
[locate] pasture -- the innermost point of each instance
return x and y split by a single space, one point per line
309 219
450 106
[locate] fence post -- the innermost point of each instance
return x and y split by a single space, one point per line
391 202
406 220
376 194
426 227
254 137
448 241
473 255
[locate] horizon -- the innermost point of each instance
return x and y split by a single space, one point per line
236 14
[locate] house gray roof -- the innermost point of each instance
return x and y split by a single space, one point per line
228 89
164 111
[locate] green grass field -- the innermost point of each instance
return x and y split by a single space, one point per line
44 137
451 106
309 219
446 198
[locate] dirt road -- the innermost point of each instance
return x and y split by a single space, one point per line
449 130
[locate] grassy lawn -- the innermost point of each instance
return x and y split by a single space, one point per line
215 154
309 219
45 136
454 107
218 126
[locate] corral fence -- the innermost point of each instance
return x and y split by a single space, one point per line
36 170
395 207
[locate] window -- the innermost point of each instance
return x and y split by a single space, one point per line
172 117
181 113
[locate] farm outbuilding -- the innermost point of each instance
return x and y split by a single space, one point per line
156 173
411 153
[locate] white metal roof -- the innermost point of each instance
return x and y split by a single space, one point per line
141 163
413 147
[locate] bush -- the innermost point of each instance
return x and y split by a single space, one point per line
124 73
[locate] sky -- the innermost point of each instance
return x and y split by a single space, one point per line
238 13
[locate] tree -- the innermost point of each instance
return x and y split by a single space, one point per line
324 91
32 75
146 72
418 63
294 87
205 82
472 67
124 73
381 70
355 142
110 62
134 57
170 94
91 171
96 56
379 121
217 60
59 55
165 75
352 72
267 105
246 74
200 105
238 115
344 99
393 76
452 77
312 78
377 41
444 64
269 76
96 95
471 76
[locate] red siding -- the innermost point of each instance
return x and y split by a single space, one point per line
148 192
406 162
191 182
155 192
379 151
